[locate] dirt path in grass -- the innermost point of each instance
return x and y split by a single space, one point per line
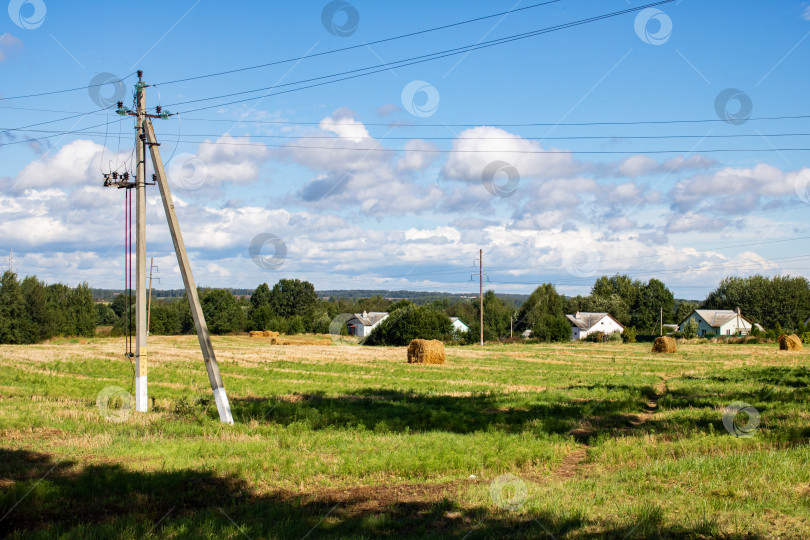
573 464
376 497
637 420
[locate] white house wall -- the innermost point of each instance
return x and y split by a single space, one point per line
606 325
459 326
728 329
703 327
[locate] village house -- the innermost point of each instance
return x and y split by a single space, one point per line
361 324
719 322
584 323
459 326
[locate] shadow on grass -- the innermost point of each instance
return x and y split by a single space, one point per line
773 391
402 412
44 498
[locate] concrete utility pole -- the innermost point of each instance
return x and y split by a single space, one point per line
146 136
140 250
481 288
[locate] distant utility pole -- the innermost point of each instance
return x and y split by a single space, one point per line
145 136
481 289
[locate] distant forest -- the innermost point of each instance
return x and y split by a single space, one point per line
31 311
417 297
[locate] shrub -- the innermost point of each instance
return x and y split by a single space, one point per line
321 324
690 329
596 337
409 323
552 328
629 334
296 325
806 337
462 337
277 324
614 336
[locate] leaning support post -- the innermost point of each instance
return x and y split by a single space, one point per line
211 366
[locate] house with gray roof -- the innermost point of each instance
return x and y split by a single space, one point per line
585 323
361 324
719 322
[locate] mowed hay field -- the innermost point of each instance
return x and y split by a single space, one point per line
339 441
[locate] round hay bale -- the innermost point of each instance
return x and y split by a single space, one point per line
664 344
790 343
255 333
426 351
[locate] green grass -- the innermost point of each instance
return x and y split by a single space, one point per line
344 441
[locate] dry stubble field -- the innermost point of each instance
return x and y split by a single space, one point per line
521 441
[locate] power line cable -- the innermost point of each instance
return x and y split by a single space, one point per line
288 60
501 151
362 45
352 74
513 138
486 124
463 125
21 128
52 92
576 280
437 150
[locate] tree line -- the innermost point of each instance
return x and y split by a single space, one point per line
31 311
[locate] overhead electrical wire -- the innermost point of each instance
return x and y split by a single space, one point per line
293 59
617 138
562 281
504 269
384 67
84 131
602 261
624 259
488 124
502 151
512 138
460 151
78 115
576 280
362 45
352 74
65 90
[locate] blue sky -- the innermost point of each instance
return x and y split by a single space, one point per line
379 182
